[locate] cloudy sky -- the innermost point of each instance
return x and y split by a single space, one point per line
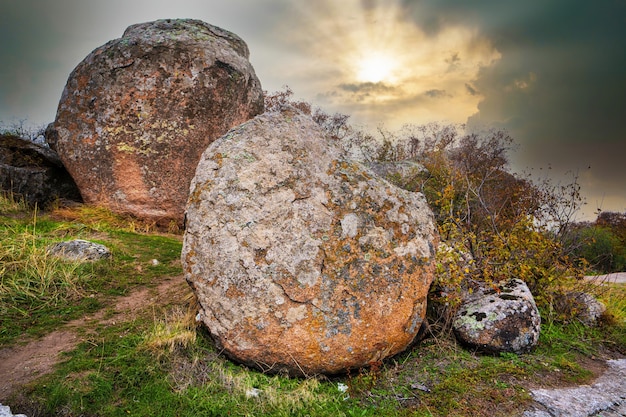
551 72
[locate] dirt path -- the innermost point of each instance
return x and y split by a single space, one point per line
22 364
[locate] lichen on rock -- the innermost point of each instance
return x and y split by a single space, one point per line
304 262
137 113
500 319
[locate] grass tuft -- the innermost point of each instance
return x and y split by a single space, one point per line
32 278
10 203
177 330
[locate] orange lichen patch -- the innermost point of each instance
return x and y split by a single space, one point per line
234 292
198 190
218 158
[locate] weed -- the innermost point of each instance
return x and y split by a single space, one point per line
176 331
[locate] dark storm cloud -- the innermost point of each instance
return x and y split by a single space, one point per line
560 85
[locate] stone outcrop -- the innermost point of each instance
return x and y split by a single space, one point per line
605 397
500 319
304 262
34 172
80 250
137 113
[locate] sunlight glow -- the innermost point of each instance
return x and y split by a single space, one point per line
378 64
375 68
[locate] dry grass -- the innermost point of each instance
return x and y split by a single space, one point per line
102 219
11 203
30 275
177 330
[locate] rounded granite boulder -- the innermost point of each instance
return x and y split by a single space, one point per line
304 262
137 113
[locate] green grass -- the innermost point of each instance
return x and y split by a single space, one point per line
38 291
157 362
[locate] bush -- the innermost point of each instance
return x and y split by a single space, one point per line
601 247
510 226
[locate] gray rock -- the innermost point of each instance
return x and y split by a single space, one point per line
34 172
304 262
606 397
502 319
581 306
80 250
5 411
137 113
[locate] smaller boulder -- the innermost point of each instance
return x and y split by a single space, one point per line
80 250
34 172
500 319
580 306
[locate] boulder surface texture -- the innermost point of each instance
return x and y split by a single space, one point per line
34 172
137 113
304 262
501 319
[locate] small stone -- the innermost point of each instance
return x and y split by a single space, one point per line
504 319
80 250
581 306
5 411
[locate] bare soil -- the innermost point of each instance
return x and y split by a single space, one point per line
27 360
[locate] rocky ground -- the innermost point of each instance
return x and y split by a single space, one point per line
606 397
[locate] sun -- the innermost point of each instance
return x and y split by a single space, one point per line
375 68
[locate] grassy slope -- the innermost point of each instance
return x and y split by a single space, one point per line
159 364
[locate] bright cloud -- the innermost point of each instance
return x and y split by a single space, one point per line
377 65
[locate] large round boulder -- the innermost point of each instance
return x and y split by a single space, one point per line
302 261
137 113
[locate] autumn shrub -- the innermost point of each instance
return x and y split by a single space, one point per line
506 225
